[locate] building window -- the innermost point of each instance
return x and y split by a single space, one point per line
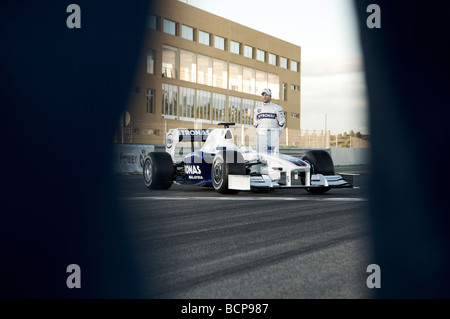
187 100
219 43
295 87
169 62
150 101
260 55
294 66
274 85
220 74
247 111
151 62
248 80
283 62
204 38
235 47
203 105
261 81
152 22
218 107
295 115
234 110
235 77
272 59
248 51
205 70
135 89
188 66
169 100
169 27
284 92
187 32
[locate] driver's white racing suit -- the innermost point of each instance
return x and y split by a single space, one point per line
269 115
268 118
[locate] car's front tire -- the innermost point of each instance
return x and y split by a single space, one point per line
226 163
158 170
321 163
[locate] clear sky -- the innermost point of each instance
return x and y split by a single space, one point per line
333 91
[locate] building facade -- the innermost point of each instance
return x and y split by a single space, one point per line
198 69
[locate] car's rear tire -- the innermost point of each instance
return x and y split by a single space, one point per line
226 163
321 163
158 170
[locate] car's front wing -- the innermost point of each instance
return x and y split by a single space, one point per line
247 182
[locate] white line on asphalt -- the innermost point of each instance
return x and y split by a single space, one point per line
319 199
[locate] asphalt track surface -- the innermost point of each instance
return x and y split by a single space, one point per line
194 243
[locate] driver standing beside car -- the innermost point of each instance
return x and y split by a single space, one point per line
268 115
269 121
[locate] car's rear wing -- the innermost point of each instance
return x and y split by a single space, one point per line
180 141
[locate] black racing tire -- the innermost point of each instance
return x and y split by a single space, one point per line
321 163
158 170
226 163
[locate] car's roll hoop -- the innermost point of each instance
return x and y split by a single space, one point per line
226 124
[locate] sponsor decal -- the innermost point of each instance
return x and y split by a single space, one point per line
192 169
266 116
298 163
195 177
194 132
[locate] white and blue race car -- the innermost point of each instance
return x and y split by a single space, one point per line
211 158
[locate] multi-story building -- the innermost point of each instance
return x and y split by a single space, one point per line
198 69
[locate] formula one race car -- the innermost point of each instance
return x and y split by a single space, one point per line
210 158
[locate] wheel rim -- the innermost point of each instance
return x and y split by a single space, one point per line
148 171
217 173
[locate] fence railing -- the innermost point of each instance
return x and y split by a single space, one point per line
319 139
244 135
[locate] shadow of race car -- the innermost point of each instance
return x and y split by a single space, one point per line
209 157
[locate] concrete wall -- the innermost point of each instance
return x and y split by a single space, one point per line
350 156
341 155
129 158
